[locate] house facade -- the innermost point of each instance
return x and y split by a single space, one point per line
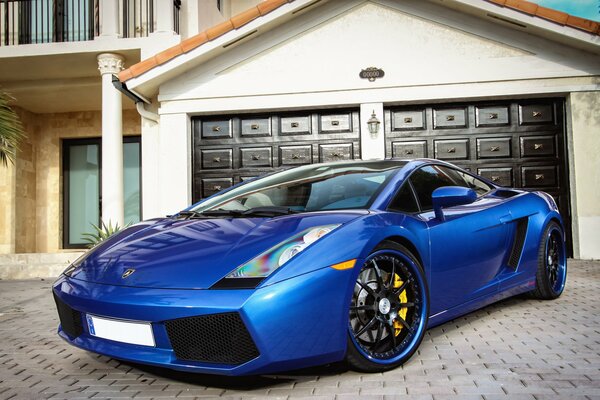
506 89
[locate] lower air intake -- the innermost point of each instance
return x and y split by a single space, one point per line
215 338
70 320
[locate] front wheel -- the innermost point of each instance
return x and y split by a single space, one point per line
388 311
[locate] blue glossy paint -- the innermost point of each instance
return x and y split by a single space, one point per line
298 316
450 196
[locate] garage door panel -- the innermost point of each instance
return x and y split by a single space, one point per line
502 176
335 123
457 149
217 129
295 125
336 152
211 186
445 118
403 120
217 159
541 113
295 155
545 176
409 149
256 157
256 126
538 146
491 116
494 147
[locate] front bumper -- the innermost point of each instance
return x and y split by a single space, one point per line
296 323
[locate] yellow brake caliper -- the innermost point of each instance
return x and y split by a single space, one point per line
403 299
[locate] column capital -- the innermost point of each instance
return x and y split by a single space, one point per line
110 63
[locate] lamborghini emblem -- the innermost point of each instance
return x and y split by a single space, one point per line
127 273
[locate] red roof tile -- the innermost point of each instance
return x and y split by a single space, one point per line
550 14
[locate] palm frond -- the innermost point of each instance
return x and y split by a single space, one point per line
101 233
11 130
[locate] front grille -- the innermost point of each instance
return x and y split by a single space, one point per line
70 320
518 242
215 338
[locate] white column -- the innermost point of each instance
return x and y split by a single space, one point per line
164 17
371 146
175 157
112 140
109 18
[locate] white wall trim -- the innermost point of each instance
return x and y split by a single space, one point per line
388 95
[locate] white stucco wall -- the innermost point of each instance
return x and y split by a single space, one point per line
584 118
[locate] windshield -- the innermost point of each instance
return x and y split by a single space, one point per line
308 188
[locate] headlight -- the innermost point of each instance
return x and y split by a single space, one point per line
265 263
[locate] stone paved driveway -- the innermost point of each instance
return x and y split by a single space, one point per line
515 349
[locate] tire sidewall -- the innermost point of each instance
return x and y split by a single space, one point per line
543 275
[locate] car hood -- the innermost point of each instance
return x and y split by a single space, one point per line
192 253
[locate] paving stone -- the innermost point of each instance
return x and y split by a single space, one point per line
517 349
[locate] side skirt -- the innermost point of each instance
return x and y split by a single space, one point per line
454 312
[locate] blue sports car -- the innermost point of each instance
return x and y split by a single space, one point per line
317 264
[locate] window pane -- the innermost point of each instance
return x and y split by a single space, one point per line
84 196
131 181
454 175
425 180
479 186
404 200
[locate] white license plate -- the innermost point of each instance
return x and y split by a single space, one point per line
121 331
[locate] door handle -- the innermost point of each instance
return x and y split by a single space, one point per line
506 218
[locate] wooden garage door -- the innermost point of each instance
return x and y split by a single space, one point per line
229 149
514 143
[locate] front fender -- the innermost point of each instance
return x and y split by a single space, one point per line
356 240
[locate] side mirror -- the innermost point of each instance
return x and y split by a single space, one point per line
448 196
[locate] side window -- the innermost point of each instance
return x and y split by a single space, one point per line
454 175
425 180
479 186
466 180
404 201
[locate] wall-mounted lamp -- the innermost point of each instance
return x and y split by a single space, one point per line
373 124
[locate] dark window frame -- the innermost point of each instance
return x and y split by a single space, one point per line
414 193
408 183
66 143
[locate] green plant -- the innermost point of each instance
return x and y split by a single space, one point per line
11 130
101 233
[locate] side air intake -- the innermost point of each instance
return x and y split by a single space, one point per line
518 242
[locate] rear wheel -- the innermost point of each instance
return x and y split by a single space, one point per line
551 273
388 311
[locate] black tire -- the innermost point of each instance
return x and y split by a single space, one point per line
411 305
551 274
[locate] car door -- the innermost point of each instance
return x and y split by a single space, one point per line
468 248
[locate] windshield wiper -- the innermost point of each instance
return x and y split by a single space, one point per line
269 211
186 214
221 213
